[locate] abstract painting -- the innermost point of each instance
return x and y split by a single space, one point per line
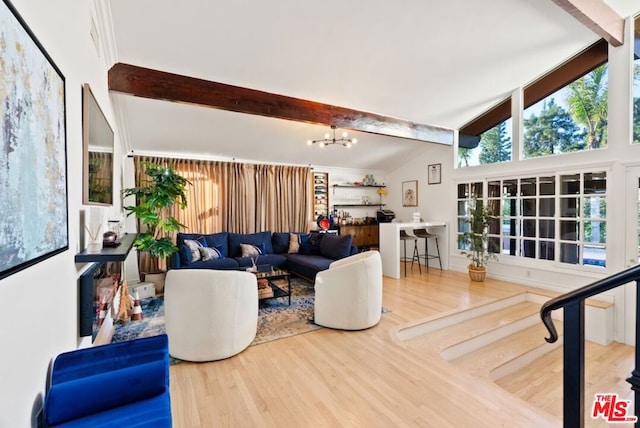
33 161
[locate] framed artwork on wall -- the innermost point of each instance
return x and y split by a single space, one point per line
435 173
410 193
33 161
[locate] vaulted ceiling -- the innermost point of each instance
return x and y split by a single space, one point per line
424 62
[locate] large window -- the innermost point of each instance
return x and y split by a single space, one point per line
560 218
572 119
494 147
565 111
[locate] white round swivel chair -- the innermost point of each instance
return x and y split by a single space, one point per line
348 295
210 314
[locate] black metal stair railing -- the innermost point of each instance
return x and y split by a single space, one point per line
573 350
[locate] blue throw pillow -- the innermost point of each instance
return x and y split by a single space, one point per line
335 246
311 245
185 255
280 242
219 241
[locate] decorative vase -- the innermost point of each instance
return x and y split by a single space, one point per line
477 274
157 279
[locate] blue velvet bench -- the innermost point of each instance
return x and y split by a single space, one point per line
123 384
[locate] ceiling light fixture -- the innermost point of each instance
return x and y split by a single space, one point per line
328 140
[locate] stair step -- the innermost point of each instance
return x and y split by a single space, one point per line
446 319
508 354
456 340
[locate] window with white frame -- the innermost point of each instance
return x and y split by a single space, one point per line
552 217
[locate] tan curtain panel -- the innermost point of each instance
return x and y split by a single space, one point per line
282 198
237 197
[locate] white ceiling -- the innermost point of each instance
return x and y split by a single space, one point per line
427 61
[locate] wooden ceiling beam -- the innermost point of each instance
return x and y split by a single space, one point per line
598 17
160 85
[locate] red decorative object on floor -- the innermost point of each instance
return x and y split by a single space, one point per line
136 313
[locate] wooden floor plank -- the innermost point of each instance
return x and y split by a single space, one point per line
366 378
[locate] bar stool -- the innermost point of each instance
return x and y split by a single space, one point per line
423 233
404 237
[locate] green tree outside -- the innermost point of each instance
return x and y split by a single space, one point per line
464 155
495 145
588 104
551 132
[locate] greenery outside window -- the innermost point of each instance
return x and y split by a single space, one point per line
559 218
494 147
572 119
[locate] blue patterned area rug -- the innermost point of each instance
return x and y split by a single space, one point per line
276 319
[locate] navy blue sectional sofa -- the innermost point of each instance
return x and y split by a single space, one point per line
315 252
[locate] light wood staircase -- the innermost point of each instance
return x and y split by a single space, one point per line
490 340
503 341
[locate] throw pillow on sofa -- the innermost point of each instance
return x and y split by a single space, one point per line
217 240
235 239
185 255
312 246
250 250
295 239
336 246
210 253
280 242
194 248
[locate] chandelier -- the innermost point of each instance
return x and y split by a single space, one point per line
328 140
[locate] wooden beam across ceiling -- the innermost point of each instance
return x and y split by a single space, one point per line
160 85
598 17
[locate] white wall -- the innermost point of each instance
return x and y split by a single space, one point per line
435 201
39 305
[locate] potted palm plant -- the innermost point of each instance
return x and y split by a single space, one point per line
162 188
475 240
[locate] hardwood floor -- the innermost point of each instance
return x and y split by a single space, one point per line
370 378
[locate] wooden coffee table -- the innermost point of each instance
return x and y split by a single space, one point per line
272 274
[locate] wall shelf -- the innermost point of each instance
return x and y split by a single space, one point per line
351 186
358 205
109 254
86 312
